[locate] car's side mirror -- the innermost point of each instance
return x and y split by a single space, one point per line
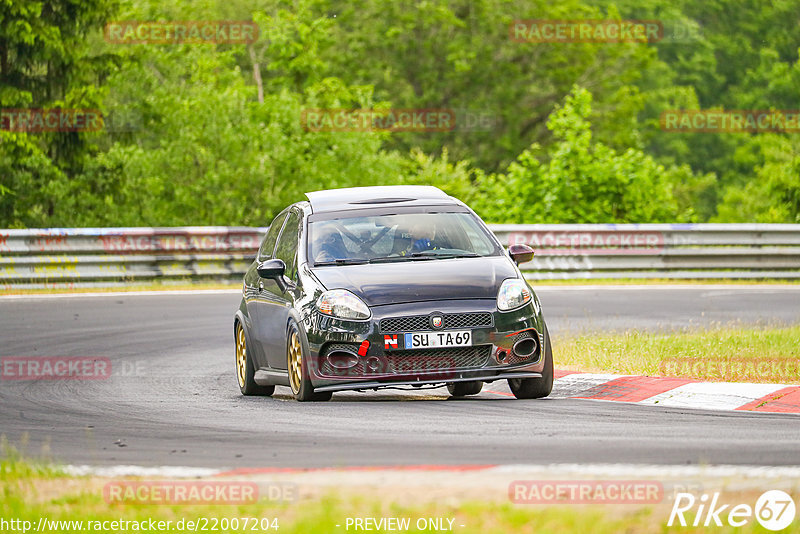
520 253
274 269
271 268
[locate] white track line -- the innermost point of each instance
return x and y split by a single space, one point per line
139 471
655 470
545 471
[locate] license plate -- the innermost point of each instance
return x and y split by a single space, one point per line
427 340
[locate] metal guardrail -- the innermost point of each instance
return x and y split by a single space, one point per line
87 257
678 251
98 257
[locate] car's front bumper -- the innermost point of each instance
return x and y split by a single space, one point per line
377 363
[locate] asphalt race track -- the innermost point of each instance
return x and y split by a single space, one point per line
173 398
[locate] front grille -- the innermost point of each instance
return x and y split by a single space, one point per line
346 347
405 324
436 359
451 321
403 362
467 320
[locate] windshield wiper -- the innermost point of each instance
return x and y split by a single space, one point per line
426 255
348 261
446 255
411 257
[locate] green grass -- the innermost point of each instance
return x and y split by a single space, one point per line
719 354
14 467
30 491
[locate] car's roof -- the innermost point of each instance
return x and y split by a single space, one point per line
371 197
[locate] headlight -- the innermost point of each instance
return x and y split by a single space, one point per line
513 294
342 304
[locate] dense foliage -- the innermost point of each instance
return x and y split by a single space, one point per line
562 132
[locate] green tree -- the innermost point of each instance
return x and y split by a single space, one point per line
209 152
586 181
731 55
774 195
46 62
460 55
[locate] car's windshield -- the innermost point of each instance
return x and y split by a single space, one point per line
398 237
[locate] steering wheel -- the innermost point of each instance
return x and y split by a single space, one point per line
364 246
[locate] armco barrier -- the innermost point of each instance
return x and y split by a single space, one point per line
658 250
89 257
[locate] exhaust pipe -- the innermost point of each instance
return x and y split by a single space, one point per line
525 348
342 360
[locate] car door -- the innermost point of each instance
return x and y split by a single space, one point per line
275 303
256 297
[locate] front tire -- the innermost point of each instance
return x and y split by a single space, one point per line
298 369
536 388
245 370
462 389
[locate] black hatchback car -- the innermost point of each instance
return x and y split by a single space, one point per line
374 287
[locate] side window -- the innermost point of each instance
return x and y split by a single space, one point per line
287 244
268 245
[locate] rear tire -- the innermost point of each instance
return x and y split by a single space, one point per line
536 388
462 389
245 370
297 368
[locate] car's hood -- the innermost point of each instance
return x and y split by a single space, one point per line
413 281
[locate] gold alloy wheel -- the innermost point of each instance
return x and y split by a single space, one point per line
295 362
241 355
